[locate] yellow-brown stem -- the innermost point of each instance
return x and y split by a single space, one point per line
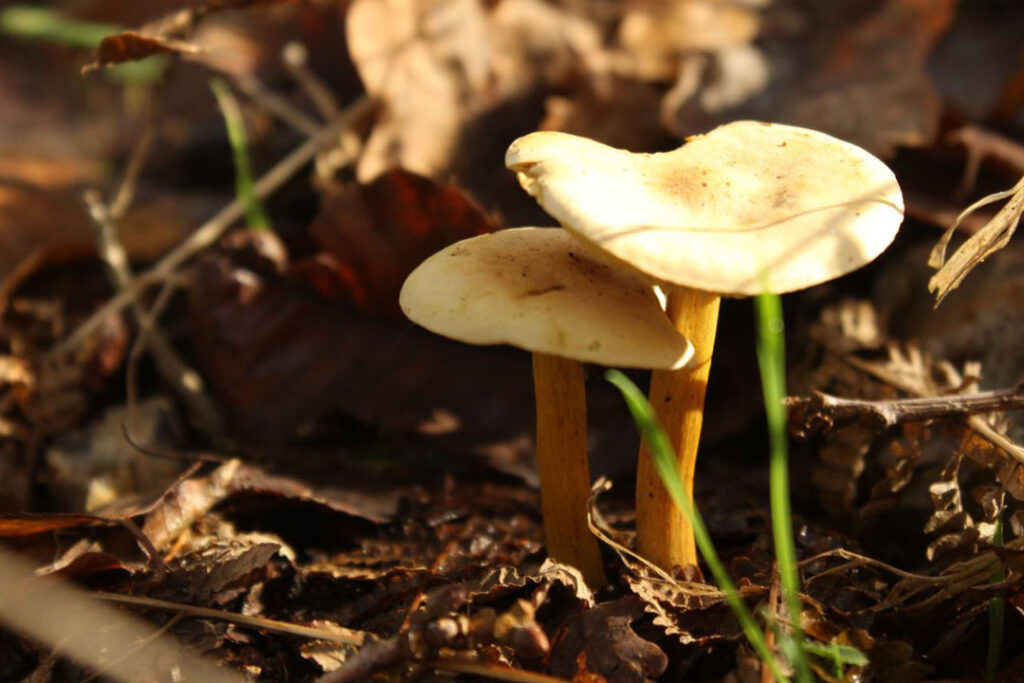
563 466
663 535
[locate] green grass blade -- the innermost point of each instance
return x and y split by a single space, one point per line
26 21
841 655
665 463
38 23
771 358
255 216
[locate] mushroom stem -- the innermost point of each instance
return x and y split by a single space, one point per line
562 465
664 536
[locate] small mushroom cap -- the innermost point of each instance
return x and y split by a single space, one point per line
538 289
746 208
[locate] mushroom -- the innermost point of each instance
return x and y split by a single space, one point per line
750 207
537 289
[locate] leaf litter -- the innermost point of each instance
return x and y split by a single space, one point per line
368 510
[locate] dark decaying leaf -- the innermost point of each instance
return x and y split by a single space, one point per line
380 231
245 487
859 74
278 357
871 87
213 563
602 640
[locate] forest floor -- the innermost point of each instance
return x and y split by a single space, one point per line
219 430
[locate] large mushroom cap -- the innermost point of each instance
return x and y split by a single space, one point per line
746 208
537 289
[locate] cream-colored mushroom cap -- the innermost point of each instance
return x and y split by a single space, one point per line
538 289
746 208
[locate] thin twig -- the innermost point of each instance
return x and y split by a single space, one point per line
975 422
822 412
499 673
183 380
130 180
980 143
295 56
354 638
211 231
253 88
858 560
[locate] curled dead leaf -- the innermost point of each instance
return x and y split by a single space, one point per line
988 240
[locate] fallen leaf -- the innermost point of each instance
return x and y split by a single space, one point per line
624 114
329 655
499 580
855 74
211 564
988 240
656 37
608 644
694 613
278 359
243 486
428 62
535 43
378 233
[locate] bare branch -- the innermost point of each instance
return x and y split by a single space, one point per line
821 412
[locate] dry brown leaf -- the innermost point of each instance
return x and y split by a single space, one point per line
429 63
540 43
214 562
655 37
950 522
693 612
329 655
259 339
499 580
988 240
189 500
